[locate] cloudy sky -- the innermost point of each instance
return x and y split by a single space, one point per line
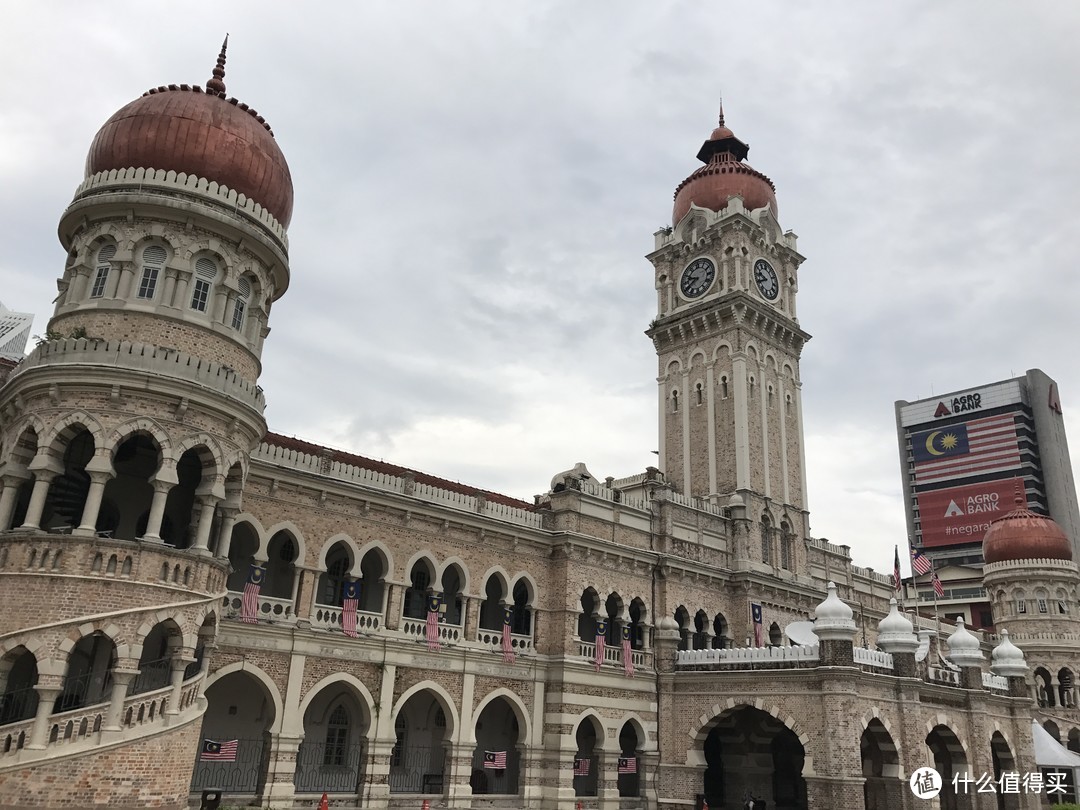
477 185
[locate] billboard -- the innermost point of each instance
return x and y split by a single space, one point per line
963 514
971 402
977 447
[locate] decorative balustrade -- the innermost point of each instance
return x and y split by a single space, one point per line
613 654
943 676
748 656
493 639
272 610
328 617
417 628
872 659
995 683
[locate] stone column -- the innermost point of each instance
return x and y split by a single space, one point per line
169 289
206 517
47 692
228 520
157 510
281 772
375 792
12 483
121 680
470 625
393 604
88 523
42 480
305 596
457 770
80 280
607 779
178 665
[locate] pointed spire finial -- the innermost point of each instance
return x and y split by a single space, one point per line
721 109
217 83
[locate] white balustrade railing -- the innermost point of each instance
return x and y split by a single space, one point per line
272 610
417 628
613 654
493 639
748 655
328 617
945 676
995 682
873 658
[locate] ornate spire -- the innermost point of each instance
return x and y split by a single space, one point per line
722 110
216 83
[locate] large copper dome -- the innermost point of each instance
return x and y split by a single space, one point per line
724 175
202 133
1023 535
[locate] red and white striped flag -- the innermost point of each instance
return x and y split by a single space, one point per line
627 764
507 642
972 448
920 563
581 766
938 588
757 617
349 606
601 633
627 656
249 603
432 627
214 751
495 760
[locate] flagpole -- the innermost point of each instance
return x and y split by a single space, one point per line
937 613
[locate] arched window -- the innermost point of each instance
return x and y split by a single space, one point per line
521 619
337 737
205 272
766 540
675 401
417 592
153 262
243 293
101 271
700 393
723 388
787 545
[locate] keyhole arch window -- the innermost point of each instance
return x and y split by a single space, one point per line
240 303
102 267
153 263
699 390
202 287
675 400
724 387
337 737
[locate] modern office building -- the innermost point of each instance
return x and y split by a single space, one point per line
14 332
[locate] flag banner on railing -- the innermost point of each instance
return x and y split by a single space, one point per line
249 603
581 767
627 657
223 751
601 634
627 764
432 627
507 645
495 759
758 619
349 605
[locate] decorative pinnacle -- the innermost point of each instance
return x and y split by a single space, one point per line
1019 496
216 83
721 109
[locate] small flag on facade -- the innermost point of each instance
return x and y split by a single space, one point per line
507 643
920 563
495 759
581 767
938 588
214 751
601 635
432 627
627 657
897 579
349 605
758 619
249 603
627 764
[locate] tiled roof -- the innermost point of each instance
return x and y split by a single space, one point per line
311 449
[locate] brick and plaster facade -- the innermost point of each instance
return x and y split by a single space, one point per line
143 498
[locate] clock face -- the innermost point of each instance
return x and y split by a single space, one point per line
766 279
697 277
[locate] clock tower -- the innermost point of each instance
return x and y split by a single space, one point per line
728 343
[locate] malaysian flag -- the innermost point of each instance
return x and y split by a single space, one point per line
495 759
938 588
349 605
920 563
581 766
977 447
249 604
507 645
627 764
214 751
627 658
432 628
897 580
759 620
601 633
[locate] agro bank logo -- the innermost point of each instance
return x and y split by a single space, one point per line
986 502
960 404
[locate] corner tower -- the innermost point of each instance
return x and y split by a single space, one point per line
728 340
124 444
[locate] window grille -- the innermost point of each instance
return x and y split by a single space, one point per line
148 283
200 295
104 258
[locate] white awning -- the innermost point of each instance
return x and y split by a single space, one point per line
1049 753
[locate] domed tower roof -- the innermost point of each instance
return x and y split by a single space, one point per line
199 132
724 175
1023 535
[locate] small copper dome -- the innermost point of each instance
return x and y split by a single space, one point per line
202 133
1023 535
724 175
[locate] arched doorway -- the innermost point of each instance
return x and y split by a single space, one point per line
880 766
496 762
749 753
239 710
88 680
1003 760
586 761
18 674
629 765
331 757
949 761
418 760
